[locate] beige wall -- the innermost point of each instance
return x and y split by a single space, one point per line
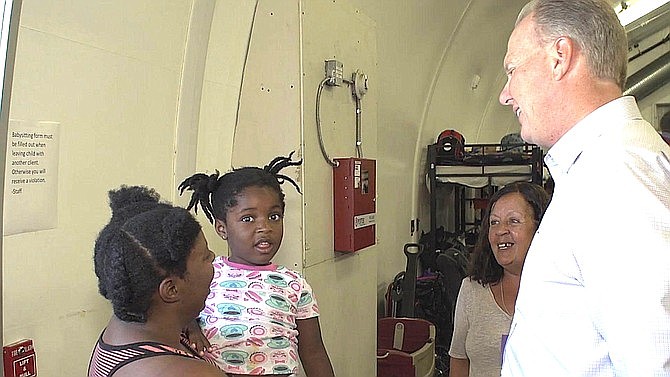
109 73
232 22
346 284
148 91
153 109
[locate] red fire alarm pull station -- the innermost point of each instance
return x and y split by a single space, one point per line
354 190
19 359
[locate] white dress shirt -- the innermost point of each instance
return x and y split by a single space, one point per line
595 288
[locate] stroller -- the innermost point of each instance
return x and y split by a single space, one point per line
405 344
430 297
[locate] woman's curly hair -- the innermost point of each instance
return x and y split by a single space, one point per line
145 241
217 194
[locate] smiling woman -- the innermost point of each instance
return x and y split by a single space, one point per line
485 303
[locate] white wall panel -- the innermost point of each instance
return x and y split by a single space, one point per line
226 54
109 73
346 285
147 30
269 109
478 47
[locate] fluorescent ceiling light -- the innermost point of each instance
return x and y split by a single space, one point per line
634 9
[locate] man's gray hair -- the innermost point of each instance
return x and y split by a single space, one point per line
592 25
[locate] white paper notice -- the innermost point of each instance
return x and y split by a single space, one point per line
31 177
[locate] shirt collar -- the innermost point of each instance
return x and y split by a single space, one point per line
565 152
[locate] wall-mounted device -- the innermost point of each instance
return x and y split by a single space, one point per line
354 190
354 184
334 72
359 84
19 359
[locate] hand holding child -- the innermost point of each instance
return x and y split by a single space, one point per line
196 339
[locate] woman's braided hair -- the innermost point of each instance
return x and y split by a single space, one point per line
216 194
145 241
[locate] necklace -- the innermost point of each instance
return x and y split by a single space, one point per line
502 297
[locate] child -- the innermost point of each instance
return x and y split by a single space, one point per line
258 314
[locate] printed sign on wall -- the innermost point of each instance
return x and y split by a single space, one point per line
31 177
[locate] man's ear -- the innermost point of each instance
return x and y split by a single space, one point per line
220 228
562 54
168 290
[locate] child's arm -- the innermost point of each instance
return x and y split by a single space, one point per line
196 339
312 352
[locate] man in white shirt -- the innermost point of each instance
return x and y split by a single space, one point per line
595 289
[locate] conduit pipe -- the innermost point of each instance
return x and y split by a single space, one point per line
648 25
649 78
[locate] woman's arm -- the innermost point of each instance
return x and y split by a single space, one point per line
459 367
312 352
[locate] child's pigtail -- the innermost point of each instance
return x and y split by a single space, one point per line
203 186
279 163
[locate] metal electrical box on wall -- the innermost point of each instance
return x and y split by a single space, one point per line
354 191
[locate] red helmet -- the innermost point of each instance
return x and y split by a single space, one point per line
452 142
